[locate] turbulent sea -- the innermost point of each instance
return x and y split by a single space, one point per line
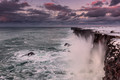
52 60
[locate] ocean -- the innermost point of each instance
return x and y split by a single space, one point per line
58 55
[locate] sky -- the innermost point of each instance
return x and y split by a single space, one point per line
74 4
60 11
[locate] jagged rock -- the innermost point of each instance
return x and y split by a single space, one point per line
112 61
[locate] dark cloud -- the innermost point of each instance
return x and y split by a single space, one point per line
102 13
63 16
15 11
54 7
32 16
39 14
115 14
65 13
12 17
96 13
15 0
113 11
66 16
3 19
10 6
97 3
10 12
114 2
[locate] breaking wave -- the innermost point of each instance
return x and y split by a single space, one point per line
86 59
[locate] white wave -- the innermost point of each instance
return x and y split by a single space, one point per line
86 62
39 56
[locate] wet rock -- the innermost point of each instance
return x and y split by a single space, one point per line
112 61
30 54
112 31
67 44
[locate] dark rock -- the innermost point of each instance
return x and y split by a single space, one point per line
112 61
112 32
30 54
67 44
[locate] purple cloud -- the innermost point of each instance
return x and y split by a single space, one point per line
114 2
54 7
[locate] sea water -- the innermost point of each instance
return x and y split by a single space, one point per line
52 60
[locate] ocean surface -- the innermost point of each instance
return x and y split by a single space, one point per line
53 60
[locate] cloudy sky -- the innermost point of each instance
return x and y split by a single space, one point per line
80 11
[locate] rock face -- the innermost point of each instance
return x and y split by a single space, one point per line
112 61
112 56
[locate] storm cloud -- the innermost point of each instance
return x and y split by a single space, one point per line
113 11
39 15
114 2
10 6
54 7
10 12
22 11
96 13
97 3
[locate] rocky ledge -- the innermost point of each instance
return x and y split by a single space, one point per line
111 41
